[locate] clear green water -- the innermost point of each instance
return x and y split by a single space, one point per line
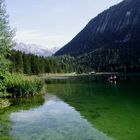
76 109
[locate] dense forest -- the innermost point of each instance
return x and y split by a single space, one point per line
115 59
32 65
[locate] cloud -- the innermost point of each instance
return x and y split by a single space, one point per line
38 37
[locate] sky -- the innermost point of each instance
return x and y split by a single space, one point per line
52 23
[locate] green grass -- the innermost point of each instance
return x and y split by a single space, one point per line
19 85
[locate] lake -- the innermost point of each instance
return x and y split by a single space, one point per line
76 108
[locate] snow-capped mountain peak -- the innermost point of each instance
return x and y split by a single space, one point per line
35 49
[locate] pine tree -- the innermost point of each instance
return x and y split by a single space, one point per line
26 64
19 62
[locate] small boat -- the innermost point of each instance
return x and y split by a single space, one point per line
113 78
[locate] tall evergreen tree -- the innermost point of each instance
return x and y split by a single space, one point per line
26 64
6 35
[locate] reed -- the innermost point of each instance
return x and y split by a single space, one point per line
19 85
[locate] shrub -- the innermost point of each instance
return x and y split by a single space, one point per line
18 85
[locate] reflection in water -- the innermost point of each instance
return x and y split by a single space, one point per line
17 104
55 120
111 108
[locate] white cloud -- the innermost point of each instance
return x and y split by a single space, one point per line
37 37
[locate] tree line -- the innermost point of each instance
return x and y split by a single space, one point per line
120 58
117 59
33 65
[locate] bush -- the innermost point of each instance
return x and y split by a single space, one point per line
18 85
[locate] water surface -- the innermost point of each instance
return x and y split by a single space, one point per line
112 108
82 108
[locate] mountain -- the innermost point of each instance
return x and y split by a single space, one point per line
118 26
35 49
54 49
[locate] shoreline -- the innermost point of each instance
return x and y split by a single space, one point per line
66 75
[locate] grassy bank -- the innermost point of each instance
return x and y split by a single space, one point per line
19 85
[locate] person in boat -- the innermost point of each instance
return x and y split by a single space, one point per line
113 78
